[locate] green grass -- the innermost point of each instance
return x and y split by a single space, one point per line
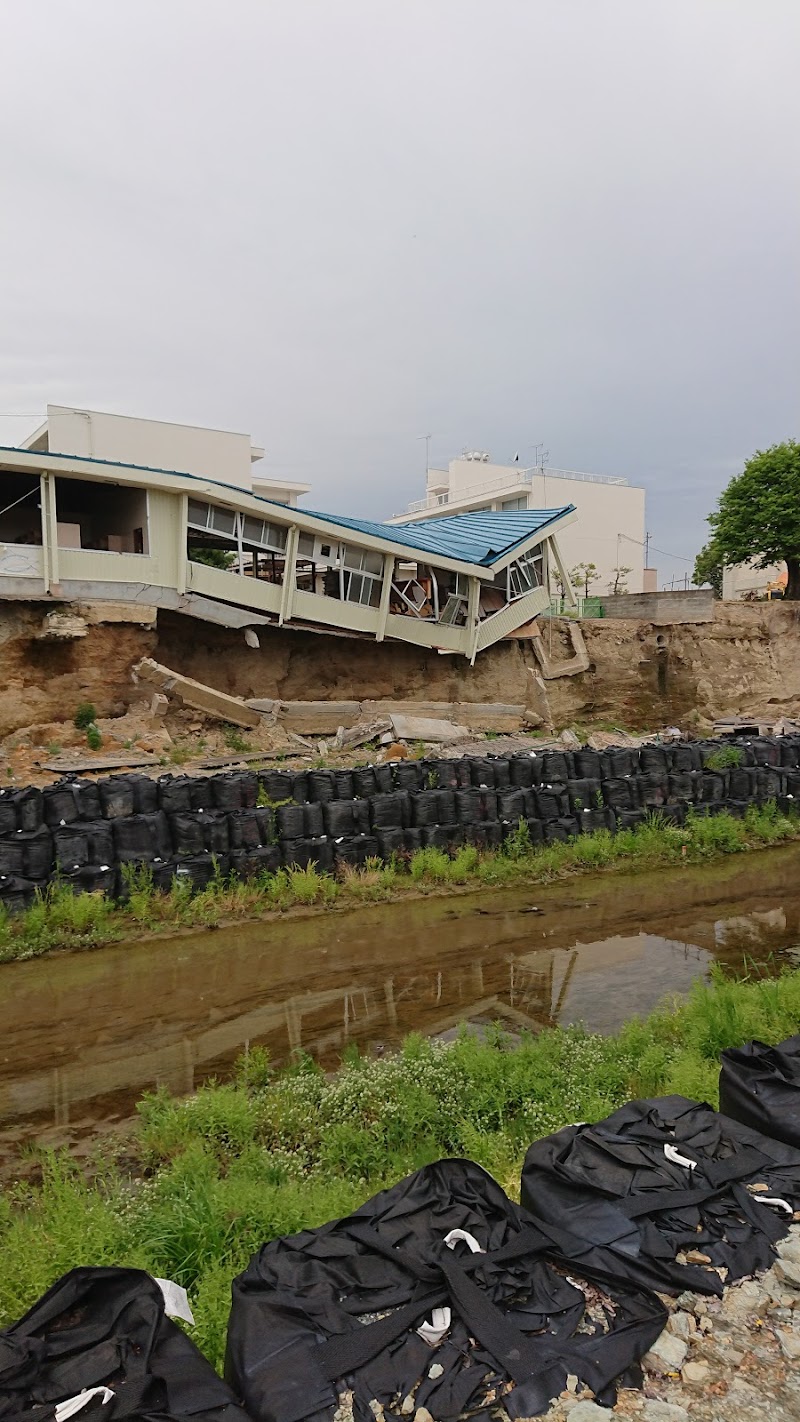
57 920
272 1152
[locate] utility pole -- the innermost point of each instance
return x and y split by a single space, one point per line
647 538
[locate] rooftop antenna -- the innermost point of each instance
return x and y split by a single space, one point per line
427 438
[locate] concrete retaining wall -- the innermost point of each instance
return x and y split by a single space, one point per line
661 607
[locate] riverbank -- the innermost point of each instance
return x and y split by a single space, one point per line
60 920
210 1177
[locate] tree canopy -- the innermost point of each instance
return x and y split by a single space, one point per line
708 567
758 515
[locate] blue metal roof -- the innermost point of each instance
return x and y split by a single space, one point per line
480 537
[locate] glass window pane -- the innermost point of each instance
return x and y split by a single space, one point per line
305 545
275 536
198 514
223 520
254 530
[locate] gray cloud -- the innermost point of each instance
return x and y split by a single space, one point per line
342 225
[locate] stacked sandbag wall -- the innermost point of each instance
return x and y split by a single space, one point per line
85 832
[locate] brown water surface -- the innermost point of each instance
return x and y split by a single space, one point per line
82 1036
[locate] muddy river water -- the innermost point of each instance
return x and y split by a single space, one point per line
82 1036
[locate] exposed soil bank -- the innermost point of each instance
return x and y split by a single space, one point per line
745 659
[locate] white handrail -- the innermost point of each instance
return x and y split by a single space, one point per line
509 483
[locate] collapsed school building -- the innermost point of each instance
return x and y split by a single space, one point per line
86 526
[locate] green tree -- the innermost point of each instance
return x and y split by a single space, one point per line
583 574
619 583
758 515
708 566
212 557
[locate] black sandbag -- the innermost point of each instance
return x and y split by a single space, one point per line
145 796
187 832
468 806
226 791
446 807
482 771
495 833
769 784
60 805
384 779
630 819
683 785
760 1086
277 785
389 841
174 793
712 787
564 828
521 770
290 821
313 820
737 808
201 795
87 794
116 796
70 847
38 851
299 784
584 794
355 849
556 767
653 791
17 894
488 804
425 808
587 764
250 863
390 811
338 1308
7 814
12 857
243 829
29 804
591 820
511 806
625 1202
93 879
249 787
789 751
742 783
299 853
407 775
551 801
535 830
321 785
364 782
654 758
142 838
437 836
361 816
343 784
685 755
766 750
442 773
338 817
618 762
198 869
216 834
502 773
623 794
412 838
107 1328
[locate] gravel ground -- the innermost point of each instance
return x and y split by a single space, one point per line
733 1359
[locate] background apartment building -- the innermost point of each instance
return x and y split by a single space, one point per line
609 531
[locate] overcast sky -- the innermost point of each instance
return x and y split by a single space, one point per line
343 224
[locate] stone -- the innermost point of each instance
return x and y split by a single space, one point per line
422 1415
667 1354
656 1411
790 1343
435 1370
425 728
588 1412
569 740
682 1325
159 705
695 1372
787 1269
407 1405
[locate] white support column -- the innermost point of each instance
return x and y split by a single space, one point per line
386 593
239 549
183 543
473 623
289 582
569 591
47 484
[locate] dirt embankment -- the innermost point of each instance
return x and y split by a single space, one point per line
746 659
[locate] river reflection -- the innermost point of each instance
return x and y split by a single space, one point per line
82 1036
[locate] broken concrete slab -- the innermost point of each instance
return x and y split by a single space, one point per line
360 734
318 718
425 728
77 764
195 694
574 665
62 627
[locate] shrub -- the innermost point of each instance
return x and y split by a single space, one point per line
94 739
85 716
725 758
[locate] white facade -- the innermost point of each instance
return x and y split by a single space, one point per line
746 580
221 455
610 529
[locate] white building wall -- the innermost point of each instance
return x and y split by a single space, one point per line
154 444
746 578
609 531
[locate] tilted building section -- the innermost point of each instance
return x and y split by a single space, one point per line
77 527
